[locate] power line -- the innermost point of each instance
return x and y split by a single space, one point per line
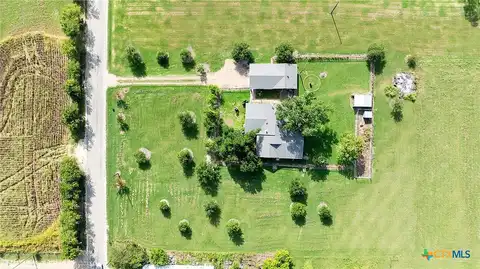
334 23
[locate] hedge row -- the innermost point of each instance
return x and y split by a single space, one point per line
73 24
71 188
213 121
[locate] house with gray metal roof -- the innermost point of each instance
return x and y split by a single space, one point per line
272 141
272 76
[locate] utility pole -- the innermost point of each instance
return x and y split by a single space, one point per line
334 23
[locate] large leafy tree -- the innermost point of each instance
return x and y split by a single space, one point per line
284 53
241 53
350 149
281 260
128 256
71 20
239 150
208 175
303 114
472 10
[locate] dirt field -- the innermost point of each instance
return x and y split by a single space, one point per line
32 139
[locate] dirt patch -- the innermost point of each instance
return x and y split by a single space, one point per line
229 122
231 76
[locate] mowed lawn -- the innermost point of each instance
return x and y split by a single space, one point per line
30 15
341 81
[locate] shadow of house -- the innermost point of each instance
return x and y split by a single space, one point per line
249 182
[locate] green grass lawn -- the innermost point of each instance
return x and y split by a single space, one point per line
343 79
30 15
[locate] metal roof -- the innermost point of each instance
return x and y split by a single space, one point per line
367 114
273 76
272 142
362 100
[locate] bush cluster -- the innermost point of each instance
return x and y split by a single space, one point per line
298 211
127 256
72 23
158 256
350 149
391 91
281 260
397 109
238 149
71 187
213 121
298 192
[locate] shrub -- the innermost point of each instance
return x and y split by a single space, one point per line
235 265
208 176
141 157
185 156
72 118
201 70
122 122
184 227
69 49
471 10
71 20
284 53
411 97
212 209
71 184
319 159
158 256
350 149
127 256
281 260
163 59
411 61
298 210
391 91
164 205
233 228
73 69
186 56
187 119
397 109
324 213
73 89
297 191
241 53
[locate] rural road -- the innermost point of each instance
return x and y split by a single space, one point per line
94 146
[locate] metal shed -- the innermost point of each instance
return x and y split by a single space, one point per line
362 100
367 114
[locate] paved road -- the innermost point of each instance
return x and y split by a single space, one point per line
94 144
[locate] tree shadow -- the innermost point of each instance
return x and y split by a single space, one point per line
187 234
378 66
167 213
123 191
300 198
300 221
215 218
122 104
124 126
211 188
139 69
347 172
397 115
327 221
164 64
322 144
189 66
237 238
189 169
249 182
145 165
190 132
318 175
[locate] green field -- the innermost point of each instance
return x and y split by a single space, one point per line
30 15
424 192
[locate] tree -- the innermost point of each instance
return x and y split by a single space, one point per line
186 56
298 211
397 109
376 56
135 61
239 150
208 176
324 213
298 192
304 114
281 260
472 11
164 205
184 228
213 122
163 59
73 69
185 156
73 89
241 53
158 256
411 61
127 256
71 20
69 48
71 116
212 209
215 98
187 120
284 53
391 91
233 228
141 157
350 149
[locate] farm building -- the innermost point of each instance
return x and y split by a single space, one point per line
272 142
362 100
273 76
